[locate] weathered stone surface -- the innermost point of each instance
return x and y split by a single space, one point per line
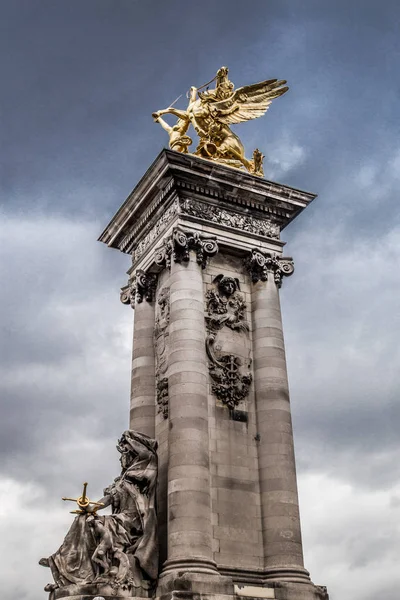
227 489
254 592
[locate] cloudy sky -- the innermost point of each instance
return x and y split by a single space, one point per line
80 79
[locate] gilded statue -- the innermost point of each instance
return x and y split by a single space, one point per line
213 111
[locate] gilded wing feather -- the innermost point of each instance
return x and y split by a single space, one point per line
248 102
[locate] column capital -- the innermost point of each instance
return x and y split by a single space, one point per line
177 248
143 285
260 264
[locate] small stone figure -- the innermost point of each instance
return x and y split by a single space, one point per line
120 549
225 306
258 158
101 556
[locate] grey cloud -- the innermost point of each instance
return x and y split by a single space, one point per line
65 370
341 325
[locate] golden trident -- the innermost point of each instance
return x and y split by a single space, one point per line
84 502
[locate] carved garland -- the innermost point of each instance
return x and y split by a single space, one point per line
158 228
259 264
161 342
208 212
214 214
163 397
177 248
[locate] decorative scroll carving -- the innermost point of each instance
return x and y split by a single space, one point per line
178 247
226 307
221 216
259 264
117 550
143 285
158 228
127 295
161 338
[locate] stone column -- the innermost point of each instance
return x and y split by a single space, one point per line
140 294
283 553
143 390
189 501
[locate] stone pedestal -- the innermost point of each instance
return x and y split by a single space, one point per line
209 378
98 592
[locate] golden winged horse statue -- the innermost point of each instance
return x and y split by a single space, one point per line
213 111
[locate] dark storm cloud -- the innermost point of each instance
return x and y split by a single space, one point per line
82 79
80 82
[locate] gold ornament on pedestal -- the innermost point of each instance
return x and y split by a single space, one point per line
213 111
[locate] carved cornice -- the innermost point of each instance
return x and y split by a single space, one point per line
178 246
158 228
210 213
174 175
143 285
228 218
231 199
268 187
161 224
260 264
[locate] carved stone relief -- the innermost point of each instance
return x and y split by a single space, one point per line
161 339
143 285
179 245
158 228
225 307
163 397
259 264
113 554
221 216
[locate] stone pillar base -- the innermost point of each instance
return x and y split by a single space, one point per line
173 583
190 586
192 564
286 574
99 592
97 597
192 590
298 591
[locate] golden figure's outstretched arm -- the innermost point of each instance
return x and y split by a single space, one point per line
162 122
181 114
